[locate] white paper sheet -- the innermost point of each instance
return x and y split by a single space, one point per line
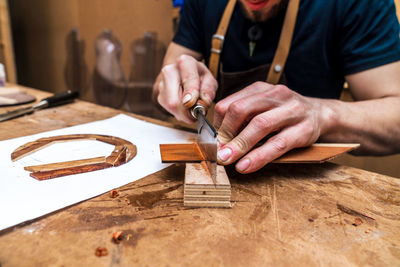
24 198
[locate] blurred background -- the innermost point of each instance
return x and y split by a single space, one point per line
110 51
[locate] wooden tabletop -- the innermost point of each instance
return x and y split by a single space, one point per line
282 215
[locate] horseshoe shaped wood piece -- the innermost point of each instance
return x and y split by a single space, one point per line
123 152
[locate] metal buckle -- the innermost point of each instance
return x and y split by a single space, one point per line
219 37
217 51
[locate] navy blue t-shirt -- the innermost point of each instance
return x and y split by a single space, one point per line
332 38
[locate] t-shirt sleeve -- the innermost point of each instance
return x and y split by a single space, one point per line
190 29
369 35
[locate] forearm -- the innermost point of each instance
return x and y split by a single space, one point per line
375 124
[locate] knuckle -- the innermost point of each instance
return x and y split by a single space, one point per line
167 68
182 58
308 132
297 107
224 136
202 65
279 144
281 90
170 105
259 84
259 159
242 144
220 108
261 122
235 109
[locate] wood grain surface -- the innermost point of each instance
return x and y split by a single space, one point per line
284 214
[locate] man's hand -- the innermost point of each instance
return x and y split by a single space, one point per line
182 83
260 109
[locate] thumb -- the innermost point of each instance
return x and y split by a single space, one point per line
224 135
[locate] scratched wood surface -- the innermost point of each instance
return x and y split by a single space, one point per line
310 214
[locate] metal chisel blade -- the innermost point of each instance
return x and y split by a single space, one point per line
207 140
16 113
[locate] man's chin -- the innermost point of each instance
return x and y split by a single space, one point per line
262 15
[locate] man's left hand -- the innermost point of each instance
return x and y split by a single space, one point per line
248 116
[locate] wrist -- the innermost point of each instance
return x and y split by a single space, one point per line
329 117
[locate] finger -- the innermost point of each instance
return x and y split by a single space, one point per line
208 85
222 106
239 113
171 93
190 80
259 127
276 146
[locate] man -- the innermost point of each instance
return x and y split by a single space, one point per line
333 41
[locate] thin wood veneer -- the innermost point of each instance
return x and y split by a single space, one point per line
190 152
123 152
317 153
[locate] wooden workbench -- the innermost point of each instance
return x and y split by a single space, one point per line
281 215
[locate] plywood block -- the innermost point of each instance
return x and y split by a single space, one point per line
206 198
215 192
200 189
209 204
196 176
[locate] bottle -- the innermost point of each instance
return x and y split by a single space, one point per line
2 76
147 55
109 82
76 73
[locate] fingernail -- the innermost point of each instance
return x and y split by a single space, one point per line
224 154
243 165
186 98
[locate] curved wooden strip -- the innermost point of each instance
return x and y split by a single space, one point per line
65 164
46 175
123 152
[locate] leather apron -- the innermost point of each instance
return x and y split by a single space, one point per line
235 81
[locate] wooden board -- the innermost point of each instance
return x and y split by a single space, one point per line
284 215
317 153
172 153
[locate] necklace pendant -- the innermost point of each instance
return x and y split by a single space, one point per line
252 46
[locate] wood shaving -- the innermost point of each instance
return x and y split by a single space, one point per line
117 236
100 251
114 193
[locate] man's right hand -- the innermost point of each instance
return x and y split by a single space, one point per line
181 84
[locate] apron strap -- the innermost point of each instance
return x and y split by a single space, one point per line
283 49
218 38
282 52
